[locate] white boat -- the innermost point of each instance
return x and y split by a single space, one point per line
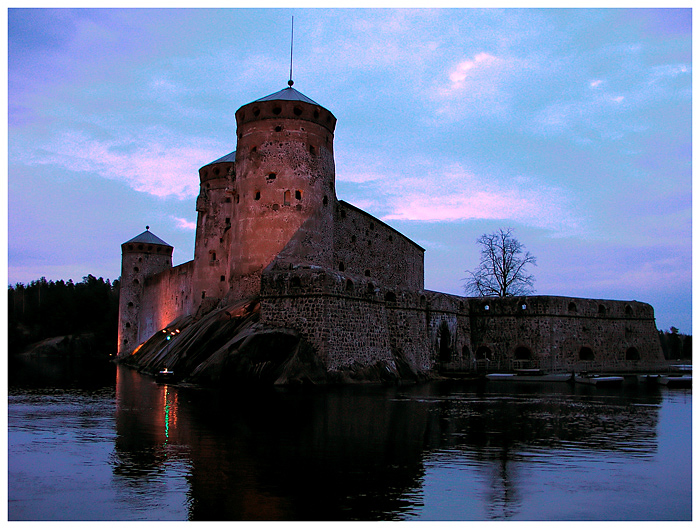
598 380
676 380
530 375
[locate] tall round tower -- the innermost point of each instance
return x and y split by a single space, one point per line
142 256
284 188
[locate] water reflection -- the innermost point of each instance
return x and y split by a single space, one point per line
365 453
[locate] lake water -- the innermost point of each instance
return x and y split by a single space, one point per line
97 442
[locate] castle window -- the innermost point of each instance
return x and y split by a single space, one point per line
325 200
276 111
256 112
341 267
628 310
632 354
228 220
297 111
391 238
127 325
287 198
349 286
227 200
523 306
275 207
295 282
297 194
222 278
278 128
390 296
136 281
130 304
136 269
483 353
204 294
140 246
572 307
316 114
216 170
371 225
486 307
353 238
213 256
253 149
271 176
257 195
601 309
586 353
367 273
312 149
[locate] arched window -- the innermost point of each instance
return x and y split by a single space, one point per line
287 198
390 296
632 354
586 353
572 307
445 342
522 353
483 353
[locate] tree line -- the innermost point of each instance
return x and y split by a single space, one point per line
676 346
46 309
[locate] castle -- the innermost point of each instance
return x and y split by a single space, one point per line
270 227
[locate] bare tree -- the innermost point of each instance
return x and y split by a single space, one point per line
501 271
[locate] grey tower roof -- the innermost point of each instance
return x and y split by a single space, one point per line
147 238
230 157
288 94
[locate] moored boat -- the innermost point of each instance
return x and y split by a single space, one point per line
598 380
676 380
530 375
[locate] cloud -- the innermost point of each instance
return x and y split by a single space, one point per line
184 224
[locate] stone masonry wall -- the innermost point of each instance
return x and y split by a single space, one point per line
366 247
166 297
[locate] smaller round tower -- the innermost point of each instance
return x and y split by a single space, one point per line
213 238
142 256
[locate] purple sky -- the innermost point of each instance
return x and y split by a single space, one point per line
571 126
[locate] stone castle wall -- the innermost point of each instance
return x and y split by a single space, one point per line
166 297
351 321
364 246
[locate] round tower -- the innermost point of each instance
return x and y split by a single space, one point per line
213 238
284 188
142 256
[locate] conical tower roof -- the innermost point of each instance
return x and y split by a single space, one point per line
148 238
287 94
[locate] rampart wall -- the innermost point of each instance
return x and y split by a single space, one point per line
166 297
355 321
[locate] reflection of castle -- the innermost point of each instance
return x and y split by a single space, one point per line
270 226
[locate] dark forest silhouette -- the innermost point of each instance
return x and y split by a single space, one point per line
46 309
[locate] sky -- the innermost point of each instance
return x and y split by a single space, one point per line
570 126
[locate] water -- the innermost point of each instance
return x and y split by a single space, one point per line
96 442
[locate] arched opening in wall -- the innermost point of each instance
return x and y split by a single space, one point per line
256 112
136 281
483 353
445 342
367 274
422 301
601 309
257 195
136 269
390 296
349 286
130 304
271 177
342 215
297 111
277 110
370 288
297 194
341 267
522 353
213 256
325 200
127 325
572 307
287 198
632 354
216 171
278 128
312 149
465 351
628 310
295 282
586 353
222 278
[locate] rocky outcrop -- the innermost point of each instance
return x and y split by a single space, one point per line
230 345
